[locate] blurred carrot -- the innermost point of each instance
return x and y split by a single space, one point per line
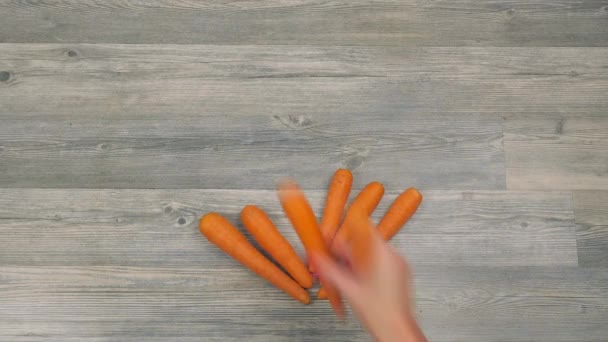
366 201
322 294
303 219
267 235
337 195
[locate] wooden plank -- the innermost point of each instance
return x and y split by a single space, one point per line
557 153
592 245
160 227
122 117
117 116
591 207
250 152
512 304
128 304
201 80
200 303
591 216
360 22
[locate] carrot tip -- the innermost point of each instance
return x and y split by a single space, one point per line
287 184
306 283
322 294
305 300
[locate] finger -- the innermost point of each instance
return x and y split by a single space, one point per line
346 284
341 249
377 241
338 276
382 250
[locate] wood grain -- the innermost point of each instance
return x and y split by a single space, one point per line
591 216
185 304
512 304
567 153
160 227
250 152
122 121
121 116
171 81
591 207
592 245
361 22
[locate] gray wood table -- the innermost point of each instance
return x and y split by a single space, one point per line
123 121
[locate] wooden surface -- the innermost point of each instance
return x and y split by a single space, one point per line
189 304
123 121
160 227
591 217
309 22
557 153
105 81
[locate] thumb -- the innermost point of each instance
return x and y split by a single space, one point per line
338 276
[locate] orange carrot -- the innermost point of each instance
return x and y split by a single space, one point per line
303 219
267 235
369 197
322 294
367 200
337 195
224 235
399 212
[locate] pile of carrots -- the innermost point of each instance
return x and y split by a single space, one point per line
349 226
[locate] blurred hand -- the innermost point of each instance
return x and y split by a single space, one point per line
381 295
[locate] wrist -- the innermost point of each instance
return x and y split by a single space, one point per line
412 331
400 328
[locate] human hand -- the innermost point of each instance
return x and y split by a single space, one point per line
380 294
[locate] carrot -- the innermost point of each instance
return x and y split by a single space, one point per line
267 235
399 212
337 195
369 197
367 200
303 219
224 235
322 294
